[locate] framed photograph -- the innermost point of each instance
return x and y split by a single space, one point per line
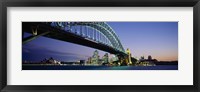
107 45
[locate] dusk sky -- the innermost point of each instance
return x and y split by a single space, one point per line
158 39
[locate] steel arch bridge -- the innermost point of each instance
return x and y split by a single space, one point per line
99 33
96 31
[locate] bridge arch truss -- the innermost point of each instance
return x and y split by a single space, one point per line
99 32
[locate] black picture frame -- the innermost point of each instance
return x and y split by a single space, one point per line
100 3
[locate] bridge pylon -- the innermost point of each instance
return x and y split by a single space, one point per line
125 59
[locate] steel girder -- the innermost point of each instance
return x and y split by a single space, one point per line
102 27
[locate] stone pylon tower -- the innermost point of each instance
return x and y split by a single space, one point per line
129 55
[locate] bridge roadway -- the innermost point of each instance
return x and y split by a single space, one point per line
58 34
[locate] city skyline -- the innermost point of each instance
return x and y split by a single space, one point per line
158 39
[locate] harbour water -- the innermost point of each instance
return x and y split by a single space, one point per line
57 67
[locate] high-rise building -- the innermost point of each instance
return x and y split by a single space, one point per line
142 58
95 57
89 60
149 57
105 58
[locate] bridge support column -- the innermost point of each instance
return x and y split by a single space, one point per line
32 37
122 60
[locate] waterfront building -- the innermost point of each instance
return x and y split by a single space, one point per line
51 61
82 62
105 58
89 60
149 57
95 58
113 58
146 62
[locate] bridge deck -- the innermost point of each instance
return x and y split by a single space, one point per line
56 33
